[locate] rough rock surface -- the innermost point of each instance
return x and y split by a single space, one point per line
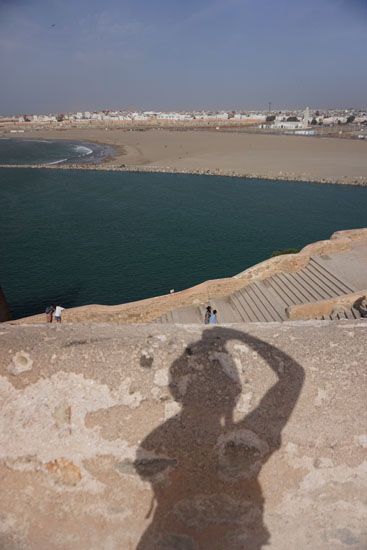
238 437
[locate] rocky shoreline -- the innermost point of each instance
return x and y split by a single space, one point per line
360 181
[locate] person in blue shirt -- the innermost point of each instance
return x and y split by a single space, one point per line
213 318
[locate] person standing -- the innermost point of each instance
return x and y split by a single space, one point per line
49 313
208 313
213 318
58 311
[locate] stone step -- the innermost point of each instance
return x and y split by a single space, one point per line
227 313
327 283
258 302
297 286
310 290
349 314
284 291
321 283
273 290
356 313
276 305
247 306
255 305
343 287
263 303
267 300
241 308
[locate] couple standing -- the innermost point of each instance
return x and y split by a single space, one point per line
210 317
52 311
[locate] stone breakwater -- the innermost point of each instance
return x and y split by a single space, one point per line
282 176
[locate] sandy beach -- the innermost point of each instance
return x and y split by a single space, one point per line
332 160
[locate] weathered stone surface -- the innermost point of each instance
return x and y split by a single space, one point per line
21 362
184 438
64 471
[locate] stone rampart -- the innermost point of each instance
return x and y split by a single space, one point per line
150 309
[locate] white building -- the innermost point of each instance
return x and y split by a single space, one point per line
212 116
306 117
140 117
173 116
286 125
250 117
330 120
305 132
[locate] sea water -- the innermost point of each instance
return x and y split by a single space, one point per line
79 237
48 151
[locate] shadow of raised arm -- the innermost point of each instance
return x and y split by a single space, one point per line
275 408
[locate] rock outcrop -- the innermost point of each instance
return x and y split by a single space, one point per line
151 437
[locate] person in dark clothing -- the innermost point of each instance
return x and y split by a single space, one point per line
208 313
49 313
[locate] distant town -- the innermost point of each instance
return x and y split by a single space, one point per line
303 122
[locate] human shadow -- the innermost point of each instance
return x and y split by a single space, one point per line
202 464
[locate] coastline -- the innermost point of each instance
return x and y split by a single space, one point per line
203 152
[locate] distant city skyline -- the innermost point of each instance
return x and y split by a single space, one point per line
64 56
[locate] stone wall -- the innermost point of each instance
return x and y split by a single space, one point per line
148 310
151 437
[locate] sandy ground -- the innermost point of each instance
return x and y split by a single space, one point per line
227 153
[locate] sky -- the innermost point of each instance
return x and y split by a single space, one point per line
77 55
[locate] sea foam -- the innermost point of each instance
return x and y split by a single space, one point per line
57 161
83 150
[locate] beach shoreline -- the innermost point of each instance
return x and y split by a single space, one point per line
204 152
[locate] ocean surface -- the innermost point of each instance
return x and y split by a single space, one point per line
82 237
46 151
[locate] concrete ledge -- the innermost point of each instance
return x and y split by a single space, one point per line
315 310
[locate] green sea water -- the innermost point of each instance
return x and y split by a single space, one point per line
82 237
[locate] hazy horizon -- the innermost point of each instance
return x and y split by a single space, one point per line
62 56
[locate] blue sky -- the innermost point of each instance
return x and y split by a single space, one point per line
181 54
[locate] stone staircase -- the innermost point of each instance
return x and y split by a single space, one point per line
267 300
